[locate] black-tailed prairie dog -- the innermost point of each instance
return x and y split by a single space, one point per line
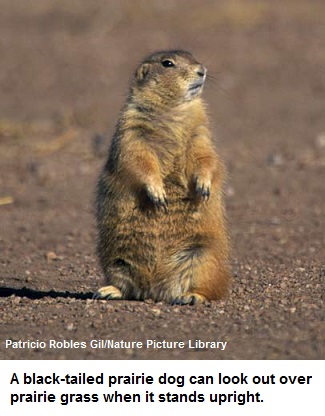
160 213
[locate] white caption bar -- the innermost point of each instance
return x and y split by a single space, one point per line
178 387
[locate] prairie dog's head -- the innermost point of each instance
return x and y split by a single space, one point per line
173 76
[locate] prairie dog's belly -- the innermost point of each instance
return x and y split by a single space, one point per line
139 227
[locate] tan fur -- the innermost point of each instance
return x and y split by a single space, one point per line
160 216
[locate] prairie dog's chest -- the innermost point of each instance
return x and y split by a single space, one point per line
172 149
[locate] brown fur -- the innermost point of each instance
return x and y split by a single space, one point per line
160 216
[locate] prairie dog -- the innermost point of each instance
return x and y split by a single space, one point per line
160 214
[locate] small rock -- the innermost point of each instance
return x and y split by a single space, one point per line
275 159
70 327
156 311
16 300
50 256
320 141
230 191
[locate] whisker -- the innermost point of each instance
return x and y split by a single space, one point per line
218 81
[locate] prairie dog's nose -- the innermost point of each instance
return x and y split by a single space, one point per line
201 71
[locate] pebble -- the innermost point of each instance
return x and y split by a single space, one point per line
275 159
16 300
230 191
156 311
320 141
51 256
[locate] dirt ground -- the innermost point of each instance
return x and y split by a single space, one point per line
64 75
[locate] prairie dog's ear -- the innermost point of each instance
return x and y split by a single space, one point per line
142 72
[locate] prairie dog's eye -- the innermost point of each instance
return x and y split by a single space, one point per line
167 63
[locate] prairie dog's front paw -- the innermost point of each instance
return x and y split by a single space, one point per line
203 187
158 196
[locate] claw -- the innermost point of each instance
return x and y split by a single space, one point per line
158 197
204 193
162 203
203 189
189 299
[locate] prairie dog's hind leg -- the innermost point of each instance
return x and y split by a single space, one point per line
108 293
120 283
205 279
190 298
181 270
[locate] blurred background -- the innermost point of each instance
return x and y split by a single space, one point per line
72 60
65 68
64 73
